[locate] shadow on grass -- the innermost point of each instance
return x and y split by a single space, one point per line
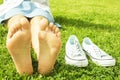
92 71
84 24
69 72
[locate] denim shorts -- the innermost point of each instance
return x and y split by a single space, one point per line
28 9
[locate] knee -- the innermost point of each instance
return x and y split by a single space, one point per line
38 19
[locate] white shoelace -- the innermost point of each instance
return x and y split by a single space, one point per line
98 52
78 49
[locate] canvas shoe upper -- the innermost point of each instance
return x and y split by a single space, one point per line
97 55
74 53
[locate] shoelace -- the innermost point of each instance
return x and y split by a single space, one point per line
78 50
97 50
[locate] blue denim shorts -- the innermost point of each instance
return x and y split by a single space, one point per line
28 9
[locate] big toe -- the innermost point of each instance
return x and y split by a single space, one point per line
25 24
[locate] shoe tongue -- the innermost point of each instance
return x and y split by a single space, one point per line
72 40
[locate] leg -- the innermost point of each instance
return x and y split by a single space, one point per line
18 43
46 41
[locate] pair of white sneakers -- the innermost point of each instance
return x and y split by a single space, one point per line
77 57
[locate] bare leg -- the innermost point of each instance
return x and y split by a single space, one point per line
18 43
49 43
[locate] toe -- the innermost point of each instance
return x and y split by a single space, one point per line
25 24
51 25
57 30
44 23
39 21
13 29
53 28
59 35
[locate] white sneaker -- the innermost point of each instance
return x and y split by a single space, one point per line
97 55
74 53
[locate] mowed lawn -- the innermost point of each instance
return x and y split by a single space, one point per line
97 19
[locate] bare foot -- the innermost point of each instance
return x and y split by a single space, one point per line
18 44
50 44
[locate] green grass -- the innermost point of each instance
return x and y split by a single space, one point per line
96 19
1 1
